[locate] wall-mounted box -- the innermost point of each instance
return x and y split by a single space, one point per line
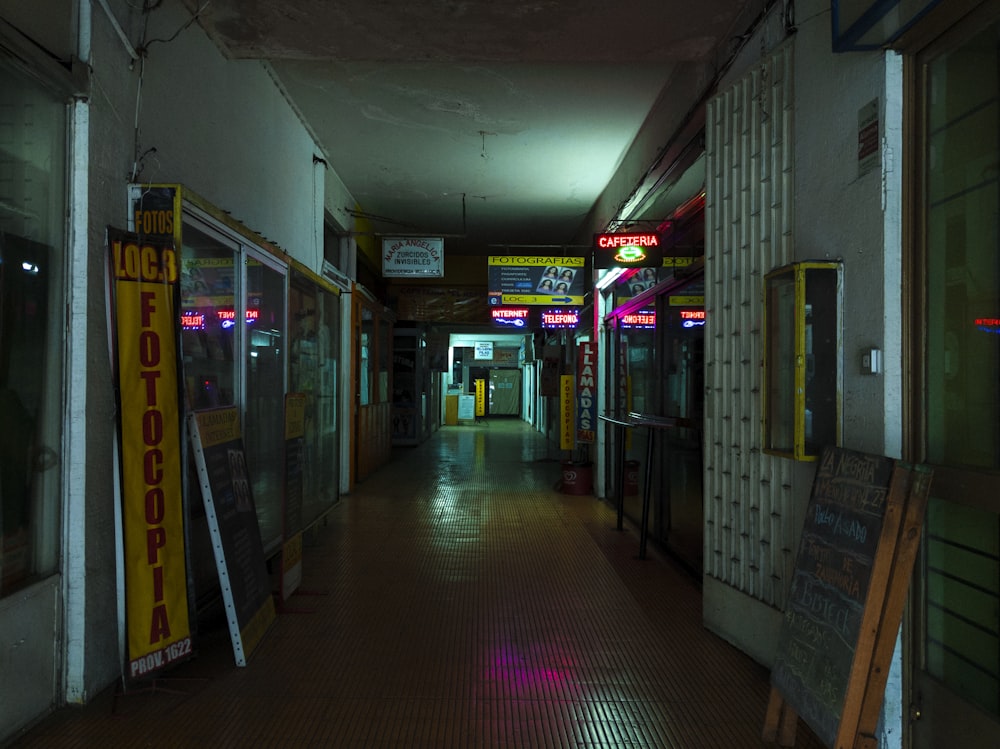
803 368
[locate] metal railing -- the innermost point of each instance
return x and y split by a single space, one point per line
653 424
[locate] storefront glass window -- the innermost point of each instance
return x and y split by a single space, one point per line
963 194
32 231
962 571
208 318
314 320
383 349
265 377
366 344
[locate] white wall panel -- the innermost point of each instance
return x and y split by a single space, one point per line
749 219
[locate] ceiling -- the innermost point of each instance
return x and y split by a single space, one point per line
493 124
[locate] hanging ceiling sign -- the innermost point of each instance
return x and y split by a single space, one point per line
550 281
560 318
633 250
510 317
413 257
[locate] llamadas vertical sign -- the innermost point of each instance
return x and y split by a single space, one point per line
144 293
586 392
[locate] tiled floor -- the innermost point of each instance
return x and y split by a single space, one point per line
458 600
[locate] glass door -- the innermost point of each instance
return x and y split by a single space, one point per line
956 675
681 334
265 349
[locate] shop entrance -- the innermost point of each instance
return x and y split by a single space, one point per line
657 356
956 642
503 389
505 392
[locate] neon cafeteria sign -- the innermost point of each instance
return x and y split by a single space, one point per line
611 241
629 250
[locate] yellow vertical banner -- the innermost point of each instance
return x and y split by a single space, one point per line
480 398
144 282
567 412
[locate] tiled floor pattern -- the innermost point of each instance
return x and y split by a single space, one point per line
455 599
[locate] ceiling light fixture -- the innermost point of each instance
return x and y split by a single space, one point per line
609 278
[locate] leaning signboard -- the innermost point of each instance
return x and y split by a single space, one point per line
232 524
848 588
143 316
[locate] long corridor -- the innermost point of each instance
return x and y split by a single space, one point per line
457 599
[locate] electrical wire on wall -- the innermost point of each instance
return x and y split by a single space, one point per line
636 198
139 55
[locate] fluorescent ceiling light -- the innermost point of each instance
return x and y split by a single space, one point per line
609 278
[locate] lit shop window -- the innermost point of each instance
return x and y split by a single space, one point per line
32 256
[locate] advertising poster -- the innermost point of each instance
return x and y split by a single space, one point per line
144 293
232 523
549 281
480 398
483 351
291 548
869 156
466 407
154 212
586 392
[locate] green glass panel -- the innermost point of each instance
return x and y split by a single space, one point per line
961 572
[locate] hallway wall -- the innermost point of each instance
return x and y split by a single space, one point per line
221 128
789 188
749 495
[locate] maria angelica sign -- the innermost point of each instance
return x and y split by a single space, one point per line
144 319
413 257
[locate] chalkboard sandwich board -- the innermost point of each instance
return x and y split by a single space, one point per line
217 445
851 573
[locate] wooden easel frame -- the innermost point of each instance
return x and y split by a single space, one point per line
899 543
